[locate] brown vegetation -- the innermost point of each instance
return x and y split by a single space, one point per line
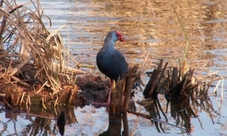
33 61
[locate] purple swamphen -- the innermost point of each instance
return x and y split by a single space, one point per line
111 62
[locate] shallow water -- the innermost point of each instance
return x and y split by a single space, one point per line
146 25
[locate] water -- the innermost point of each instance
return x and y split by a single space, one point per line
146 25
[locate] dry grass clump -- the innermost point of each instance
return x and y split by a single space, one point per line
28 51
184 93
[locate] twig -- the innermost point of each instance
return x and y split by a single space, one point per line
7 104
42 87
56 102
21 99
19 81
144 61
140 114
28 100
18 67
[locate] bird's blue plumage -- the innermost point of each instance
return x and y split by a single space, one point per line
110 61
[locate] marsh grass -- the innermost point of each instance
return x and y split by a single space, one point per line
184 64
29 50
207 80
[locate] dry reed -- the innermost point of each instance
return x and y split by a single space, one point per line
30 50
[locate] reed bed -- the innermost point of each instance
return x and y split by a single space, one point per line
32 58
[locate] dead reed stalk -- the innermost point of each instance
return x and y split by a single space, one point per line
29 49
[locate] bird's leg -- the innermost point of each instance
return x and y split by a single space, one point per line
112 86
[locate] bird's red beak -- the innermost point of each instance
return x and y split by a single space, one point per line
120 37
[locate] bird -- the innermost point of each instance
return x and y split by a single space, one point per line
111 62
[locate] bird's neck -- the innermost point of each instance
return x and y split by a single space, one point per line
109 43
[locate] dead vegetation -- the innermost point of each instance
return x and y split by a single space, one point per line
184 94
33 59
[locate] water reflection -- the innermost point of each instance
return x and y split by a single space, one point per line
37 121
61 123
58 120
183 110
151 25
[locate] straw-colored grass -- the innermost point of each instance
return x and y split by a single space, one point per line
29 49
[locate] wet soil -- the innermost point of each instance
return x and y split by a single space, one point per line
92 88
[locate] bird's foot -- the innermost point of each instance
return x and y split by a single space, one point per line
106 104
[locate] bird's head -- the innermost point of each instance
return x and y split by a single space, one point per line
120 37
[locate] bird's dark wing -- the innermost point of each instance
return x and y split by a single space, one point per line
112 64
118 67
